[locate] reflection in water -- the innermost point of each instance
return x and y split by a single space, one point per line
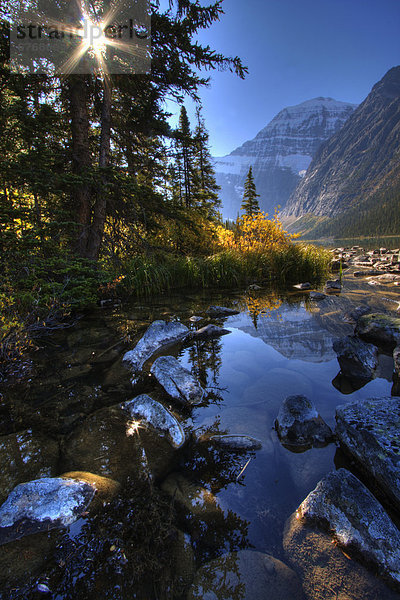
278 346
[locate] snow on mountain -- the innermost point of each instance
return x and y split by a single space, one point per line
280 153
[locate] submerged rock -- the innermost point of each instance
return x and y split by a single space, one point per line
370 431
357 359
100 445
356 519
245 575
221 311
43 504
353 315
105 487
236 442
379 329
299 424
158 335
154 413
177 381
25 456
209 331
190 497
317 296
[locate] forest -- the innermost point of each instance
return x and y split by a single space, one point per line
101 198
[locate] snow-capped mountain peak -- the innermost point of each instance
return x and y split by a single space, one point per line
280 153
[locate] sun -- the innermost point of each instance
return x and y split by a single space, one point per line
93 37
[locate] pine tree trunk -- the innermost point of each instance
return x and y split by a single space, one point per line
81 158
100 208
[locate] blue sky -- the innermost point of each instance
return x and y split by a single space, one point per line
295 50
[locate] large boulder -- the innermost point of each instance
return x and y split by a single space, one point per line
157 336
299 424
100 445
144 408
357 359
245 575
325 570
177 381
43 504
369 430
25 456
380 329
344 506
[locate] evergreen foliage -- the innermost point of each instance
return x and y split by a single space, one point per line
379 215
250 203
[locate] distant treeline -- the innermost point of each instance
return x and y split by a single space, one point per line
379 215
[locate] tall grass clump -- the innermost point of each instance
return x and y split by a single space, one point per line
227 268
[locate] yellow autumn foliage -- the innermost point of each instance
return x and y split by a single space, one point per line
255 233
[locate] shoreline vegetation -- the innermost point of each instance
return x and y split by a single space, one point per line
40 294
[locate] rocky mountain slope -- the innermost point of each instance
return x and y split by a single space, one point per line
280 153
357 167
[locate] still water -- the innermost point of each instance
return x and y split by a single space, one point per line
280 344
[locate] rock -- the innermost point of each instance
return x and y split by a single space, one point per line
182 562
303 286
105 488
333 286
100 445
154 413
157 336
357 521
387 278
396 360
353 315
368 273
221 311
177 381
25 456
245 575
380 329
236 442
190 497
357 359
195 319
209 331
43 504
369 431
325 571
317 296
299 424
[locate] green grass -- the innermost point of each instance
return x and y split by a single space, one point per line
147 275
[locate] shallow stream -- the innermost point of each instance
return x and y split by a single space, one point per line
280 344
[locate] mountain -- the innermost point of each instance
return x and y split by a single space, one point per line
279 154
356 171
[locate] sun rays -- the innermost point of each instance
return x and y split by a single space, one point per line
105 41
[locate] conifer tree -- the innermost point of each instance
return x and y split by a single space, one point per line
186 147
250 203
205 188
